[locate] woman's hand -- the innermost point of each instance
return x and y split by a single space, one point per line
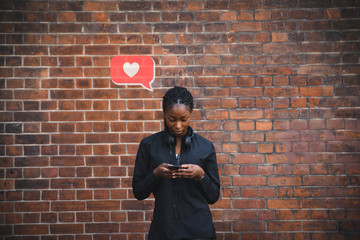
189 171
162 171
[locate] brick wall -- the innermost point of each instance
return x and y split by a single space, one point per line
277 90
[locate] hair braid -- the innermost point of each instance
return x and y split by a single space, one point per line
177 95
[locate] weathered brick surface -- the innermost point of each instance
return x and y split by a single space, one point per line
276 85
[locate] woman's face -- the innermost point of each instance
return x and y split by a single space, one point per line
177 118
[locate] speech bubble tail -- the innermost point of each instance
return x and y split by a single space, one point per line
147 86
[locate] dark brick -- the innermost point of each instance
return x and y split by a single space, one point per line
165 5
33 5
13 128
31 116
100 28
169 27
135 28
346 24
216 5
67 183
66 228
31 50
142 50
6 50
315 4
66 50
102 228
32 139
31 161
6 5
67 6
346 3
31 28
65 28
31 184
347 113
101 50
102 183
100 6
246 4
246 48
31 72
280 4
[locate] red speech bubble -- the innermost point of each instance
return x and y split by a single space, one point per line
133 70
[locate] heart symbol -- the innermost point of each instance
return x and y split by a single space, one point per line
131 69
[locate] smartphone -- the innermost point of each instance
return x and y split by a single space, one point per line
174 167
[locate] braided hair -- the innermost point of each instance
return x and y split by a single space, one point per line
176 95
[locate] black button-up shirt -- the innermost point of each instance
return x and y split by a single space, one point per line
181 205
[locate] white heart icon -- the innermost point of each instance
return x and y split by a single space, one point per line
131 69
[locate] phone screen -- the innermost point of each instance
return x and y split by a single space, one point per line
174 167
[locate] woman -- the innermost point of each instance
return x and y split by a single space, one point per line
179 167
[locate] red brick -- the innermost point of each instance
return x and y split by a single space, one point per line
280 113
67 183
262 15
208 103
284 204
66 116
265 148
66 228
249 226
316 91
284 181
298 124
246 114
250 48
66 50
66 72
246 70
281 92
31 229
247 4
248 204
275 70
68 206
246 125
263 125
230 147
249 181
101 116
102 228
103 205
280 48
6 184
217 115
279 37
315 69
103 183
246 92
67 138
284 226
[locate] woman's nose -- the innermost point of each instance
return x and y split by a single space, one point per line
178 125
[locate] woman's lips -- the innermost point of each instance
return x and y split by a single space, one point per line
178 132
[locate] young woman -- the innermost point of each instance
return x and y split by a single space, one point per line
179 167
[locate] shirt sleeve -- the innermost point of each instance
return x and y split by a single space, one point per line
144 181
210 184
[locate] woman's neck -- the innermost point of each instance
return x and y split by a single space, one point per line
178 145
